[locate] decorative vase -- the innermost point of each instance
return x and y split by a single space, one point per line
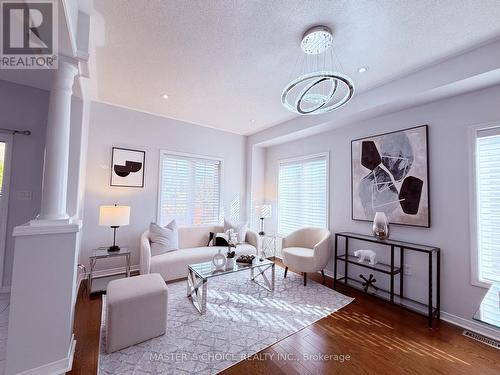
381 228
230 262
219 261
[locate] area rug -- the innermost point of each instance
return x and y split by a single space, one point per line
242 318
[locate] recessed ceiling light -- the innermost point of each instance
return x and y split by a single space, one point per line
363 69
252 121
164 96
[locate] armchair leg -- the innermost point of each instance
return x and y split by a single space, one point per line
305 278
323 274
286 270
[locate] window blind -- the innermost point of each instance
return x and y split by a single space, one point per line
488 204
189 190
302 194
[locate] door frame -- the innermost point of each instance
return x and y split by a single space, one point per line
4 206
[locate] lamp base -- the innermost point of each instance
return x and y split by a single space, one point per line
114 248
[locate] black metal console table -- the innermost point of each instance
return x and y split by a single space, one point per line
392 270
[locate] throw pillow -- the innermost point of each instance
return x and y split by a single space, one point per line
221 239
240 230
163 239
211 239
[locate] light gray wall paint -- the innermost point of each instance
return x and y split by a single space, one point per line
114 126
257 196
449 121
23 108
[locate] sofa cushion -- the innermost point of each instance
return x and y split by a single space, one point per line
299 258
190 237
163 239
174 265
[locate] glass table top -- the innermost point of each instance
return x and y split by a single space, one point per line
489 310
207 269
406 245
103 252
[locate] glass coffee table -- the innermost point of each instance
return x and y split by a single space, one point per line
198 275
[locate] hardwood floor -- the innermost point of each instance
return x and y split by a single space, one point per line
368 336
87 330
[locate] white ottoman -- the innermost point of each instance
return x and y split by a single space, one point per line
136 310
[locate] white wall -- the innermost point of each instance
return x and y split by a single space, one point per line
23 108
114 126
448 121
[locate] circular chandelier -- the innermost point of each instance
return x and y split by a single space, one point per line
319 87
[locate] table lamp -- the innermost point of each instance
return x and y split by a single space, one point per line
264 211
114 216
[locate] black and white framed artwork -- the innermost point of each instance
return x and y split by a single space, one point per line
390 173
127 167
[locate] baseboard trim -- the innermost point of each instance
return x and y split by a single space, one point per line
328 273
82 276
58 367
471 325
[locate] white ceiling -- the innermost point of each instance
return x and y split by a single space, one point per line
224 63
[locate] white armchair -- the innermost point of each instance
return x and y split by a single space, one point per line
307 250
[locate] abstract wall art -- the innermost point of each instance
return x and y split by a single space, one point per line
127 167
390 174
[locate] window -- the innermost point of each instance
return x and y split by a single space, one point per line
303 193
488 204
189 189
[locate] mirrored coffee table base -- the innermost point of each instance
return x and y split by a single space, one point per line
261 273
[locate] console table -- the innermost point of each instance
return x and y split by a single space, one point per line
430 309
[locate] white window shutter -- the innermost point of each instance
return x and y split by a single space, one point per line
189 190
303 194
488 204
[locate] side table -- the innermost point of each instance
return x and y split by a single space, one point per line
268 246
103 253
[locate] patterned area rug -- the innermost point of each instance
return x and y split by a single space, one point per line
242 318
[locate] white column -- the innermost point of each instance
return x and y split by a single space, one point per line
55 169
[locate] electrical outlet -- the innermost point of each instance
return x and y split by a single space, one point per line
407 270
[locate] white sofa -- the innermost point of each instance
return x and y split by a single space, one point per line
192 249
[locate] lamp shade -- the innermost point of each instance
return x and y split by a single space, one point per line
264 210
114 216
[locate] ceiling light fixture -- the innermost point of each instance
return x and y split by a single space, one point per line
319 86
252 121
164 96
363 69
